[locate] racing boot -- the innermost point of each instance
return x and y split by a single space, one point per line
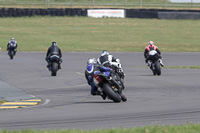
59 67
149 63
123 97
101 94
161 63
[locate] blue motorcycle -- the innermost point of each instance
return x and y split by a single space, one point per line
110 85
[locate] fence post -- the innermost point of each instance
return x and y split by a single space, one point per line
141 3
125 2
93 2
47 3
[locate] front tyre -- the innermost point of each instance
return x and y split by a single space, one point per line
11 54
111 94
54 69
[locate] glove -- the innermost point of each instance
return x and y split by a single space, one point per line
46 58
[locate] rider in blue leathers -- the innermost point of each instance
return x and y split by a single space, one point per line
12 43
91 69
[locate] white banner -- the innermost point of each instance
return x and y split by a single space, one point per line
100 13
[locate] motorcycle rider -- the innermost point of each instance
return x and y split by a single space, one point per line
53 50
12 43
148 48
91 69
108 60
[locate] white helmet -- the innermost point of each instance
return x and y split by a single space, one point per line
151 43
12 40
104 52
91 60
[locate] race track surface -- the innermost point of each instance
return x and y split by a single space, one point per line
172 98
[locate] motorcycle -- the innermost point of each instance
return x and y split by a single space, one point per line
11 51
155 62
54 66
110 85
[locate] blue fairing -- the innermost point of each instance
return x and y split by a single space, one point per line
96 72
107 73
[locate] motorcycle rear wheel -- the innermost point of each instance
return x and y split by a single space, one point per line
111 94
157 68
54 69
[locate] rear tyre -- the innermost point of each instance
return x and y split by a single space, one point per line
111 94
157 68
54 69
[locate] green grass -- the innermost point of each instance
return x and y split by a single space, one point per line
189 128
186 67
97 3
2 101
92 34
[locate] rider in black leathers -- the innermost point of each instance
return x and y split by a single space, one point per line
108 60
53 50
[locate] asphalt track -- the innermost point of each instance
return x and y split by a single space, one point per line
172 98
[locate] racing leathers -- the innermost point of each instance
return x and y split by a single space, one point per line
12 45
109 61
91 70
148 58
53 50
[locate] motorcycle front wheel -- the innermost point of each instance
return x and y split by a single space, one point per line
11 54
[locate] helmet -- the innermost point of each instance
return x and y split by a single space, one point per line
54 44
104 52
91 60
12 40
150 43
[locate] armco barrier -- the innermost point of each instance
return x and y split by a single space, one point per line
130 13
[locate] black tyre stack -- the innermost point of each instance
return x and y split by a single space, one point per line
21 12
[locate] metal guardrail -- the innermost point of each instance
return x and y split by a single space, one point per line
113 3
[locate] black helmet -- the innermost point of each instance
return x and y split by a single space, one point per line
54 44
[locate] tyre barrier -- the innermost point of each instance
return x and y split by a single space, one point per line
129 13
19 12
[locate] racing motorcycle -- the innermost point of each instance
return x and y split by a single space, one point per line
12 50
155 62
54 66
110 84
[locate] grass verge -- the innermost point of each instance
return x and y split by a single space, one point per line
96 34
2 101
186 67
189 128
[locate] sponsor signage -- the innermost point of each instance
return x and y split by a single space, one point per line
101 13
